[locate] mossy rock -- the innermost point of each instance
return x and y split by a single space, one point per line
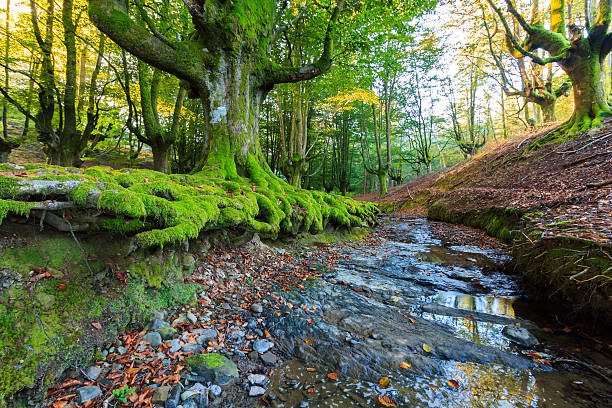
213 367
167 332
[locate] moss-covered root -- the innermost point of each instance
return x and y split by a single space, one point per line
163 209
578 123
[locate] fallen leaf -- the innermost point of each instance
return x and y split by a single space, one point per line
384 382
60 404
469 317
267 334
386 401
453 384
333 376
427 348
96 325
310 369
61 287
310 389
308 342
546 330
404 365
567 329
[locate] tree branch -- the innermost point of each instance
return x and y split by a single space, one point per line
322 65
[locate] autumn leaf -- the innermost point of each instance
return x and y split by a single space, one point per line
310 390
404 365
310 369
60 404
453 384
386 401
469 317
566 329
333 376
384 382
427 348
267 334
308 342
61 287
96 325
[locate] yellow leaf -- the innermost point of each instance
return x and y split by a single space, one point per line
427 348
384 382
453 384
404 365
386 401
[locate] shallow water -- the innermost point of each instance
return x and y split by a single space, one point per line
458 289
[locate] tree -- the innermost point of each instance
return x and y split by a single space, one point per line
226 63
581 54
536 86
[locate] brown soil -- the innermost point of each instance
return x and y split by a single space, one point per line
568 182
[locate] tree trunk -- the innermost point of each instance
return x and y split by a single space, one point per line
160 157
548 111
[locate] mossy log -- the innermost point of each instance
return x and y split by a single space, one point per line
161 209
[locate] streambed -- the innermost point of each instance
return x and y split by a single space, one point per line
429 315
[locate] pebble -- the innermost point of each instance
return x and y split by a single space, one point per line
256 391
175 345
256 308
269 359
93 372
257 379
153 338
207 334
215 390
262 345
88 393
190 347
192 318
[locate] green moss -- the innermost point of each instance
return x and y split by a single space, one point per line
208 360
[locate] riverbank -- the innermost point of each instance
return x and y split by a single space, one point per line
552 204
419 313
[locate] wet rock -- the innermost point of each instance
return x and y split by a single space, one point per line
153 338
198 387
166 332
188 394
256 308
191 318
161 394
257 379
188 262
520 335
269 359
213 367
261 345
174 396
192 402
88 393
93 372
215 390
236 335
256 391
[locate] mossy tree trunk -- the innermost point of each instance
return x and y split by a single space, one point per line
225 64
580 56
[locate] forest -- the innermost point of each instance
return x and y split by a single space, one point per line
305 203
362 104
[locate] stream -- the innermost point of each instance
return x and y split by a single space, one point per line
428 315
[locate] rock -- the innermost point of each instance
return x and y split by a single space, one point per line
161 315
153 338
88 393
161 394
199 388
256 308
215 390
191 347
93 372
256 391
236 335
253 355
258 379
175 345
179 320
174 396
157 323
207 334
214 367
192 318
188 394
192 402
188 262
166 332
269 359
261 345
520 335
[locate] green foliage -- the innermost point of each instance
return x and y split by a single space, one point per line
123 393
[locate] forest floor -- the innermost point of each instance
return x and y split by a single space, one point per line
570 184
